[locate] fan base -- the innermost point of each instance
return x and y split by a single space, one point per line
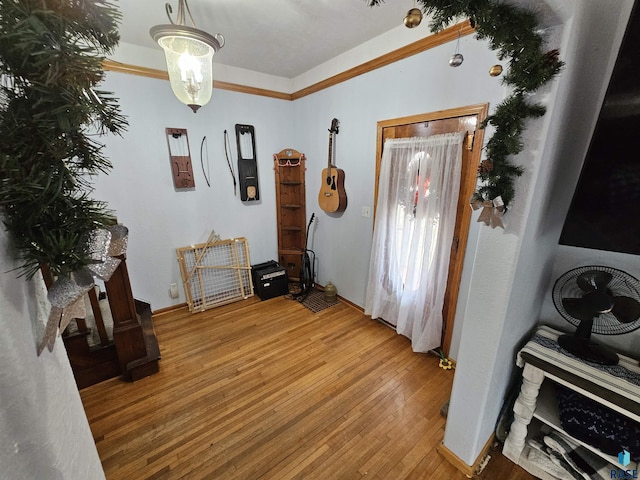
588 350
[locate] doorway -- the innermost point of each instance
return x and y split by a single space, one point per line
463 119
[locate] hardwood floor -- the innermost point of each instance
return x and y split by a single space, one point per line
270 390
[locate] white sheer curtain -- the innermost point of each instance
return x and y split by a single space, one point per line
414 224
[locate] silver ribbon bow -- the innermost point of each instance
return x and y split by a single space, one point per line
66 295
492 211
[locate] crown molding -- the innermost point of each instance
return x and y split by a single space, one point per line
431 41
120 67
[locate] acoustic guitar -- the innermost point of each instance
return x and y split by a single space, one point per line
332 197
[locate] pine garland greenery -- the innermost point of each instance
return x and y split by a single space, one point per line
514 34
51 113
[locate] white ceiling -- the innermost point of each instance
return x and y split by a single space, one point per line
279 37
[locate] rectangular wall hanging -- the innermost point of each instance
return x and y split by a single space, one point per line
247 162
180 155
216 272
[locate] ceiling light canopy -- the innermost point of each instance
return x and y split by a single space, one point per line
188 52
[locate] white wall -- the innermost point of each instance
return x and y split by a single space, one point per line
43 428
161 218
140 188
420 84
511 273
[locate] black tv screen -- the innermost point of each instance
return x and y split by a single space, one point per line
605 211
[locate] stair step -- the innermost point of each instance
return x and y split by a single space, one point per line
92 365
84 334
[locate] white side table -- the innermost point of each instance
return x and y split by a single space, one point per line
543 360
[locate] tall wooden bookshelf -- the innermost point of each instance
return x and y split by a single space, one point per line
289 165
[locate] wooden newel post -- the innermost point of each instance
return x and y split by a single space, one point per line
128 334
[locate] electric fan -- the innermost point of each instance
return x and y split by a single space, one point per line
596 299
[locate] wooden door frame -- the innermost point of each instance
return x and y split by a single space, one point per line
463 210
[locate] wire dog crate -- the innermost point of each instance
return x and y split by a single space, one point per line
215 273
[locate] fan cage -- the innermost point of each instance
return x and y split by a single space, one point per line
621 284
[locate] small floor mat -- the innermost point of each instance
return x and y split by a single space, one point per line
315 301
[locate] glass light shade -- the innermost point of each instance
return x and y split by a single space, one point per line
188 52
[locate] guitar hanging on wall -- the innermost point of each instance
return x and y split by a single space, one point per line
332 197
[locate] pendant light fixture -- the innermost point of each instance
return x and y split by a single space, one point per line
188 52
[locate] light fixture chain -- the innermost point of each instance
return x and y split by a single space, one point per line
182 6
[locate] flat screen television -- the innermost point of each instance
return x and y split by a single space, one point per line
605 210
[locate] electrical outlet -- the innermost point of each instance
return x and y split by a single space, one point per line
173 290
366 212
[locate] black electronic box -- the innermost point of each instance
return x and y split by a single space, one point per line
269 280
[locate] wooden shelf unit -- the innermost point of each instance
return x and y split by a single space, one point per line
537 407
289 166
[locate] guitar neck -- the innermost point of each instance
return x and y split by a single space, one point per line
329 162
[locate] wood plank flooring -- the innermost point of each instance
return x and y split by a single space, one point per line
270 390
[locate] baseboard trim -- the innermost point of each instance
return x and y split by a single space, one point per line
179 306
171 308
317 286
468 470
351 304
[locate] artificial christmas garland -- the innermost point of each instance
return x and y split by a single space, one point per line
51 54
514 34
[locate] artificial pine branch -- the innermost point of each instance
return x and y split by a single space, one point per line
51 54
